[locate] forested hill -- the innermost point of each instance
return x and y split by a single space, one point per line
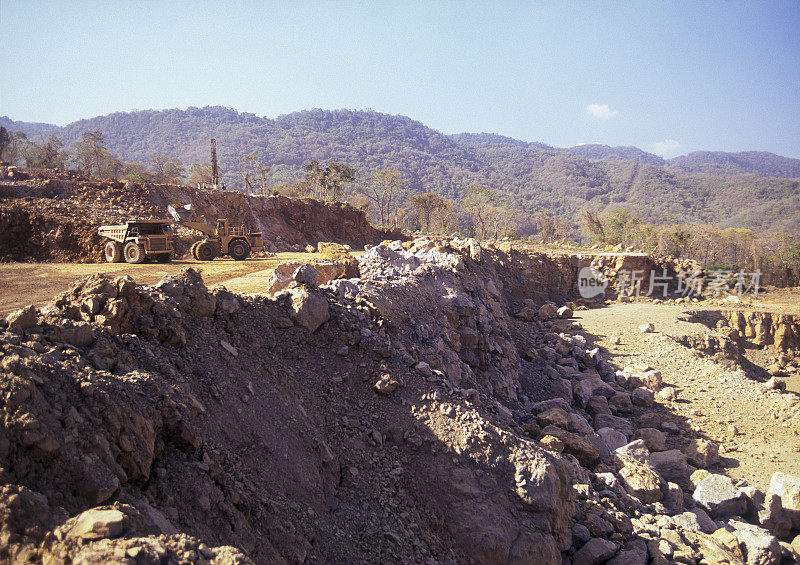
34 131
531 176
735 163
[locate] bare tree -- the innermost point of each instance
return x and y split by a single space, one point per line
478 203
383 190
167 170
90 152
199 173
427 205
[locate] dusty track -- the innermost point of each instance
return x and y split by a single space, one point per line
710 399
36 283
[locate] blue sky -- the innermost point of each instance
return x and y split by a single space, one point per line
669 77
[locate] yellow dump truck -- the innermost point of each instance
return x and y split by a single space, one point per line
137 240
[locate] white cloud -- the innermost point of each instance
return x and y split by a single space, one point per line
601 111
667 148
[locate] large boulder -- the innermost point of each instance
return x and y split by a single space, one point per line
787 487
622 425
312 273
309 309
23 318
671 465
596 550
580 447
716 495
642 481
760 547
340 255
702 453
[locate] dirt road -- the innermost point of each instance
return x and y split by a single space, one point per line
36 283
710 398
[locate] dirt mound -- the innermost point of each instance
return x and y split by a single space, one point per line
53 215
434 410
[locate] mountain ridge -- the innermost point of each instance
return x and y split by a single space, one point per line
701 187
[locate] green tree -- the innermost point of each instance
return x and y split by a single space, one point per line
259 171
328 182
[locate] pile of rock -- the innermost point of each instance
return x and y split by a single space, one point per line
402 415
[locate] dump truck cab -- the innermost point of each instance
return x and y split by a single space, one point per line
136 240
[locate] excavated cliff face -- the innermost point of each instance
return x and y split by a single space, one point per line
52 216
145 412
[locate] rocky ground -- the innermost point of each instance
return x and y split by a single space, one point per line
434 408
427 401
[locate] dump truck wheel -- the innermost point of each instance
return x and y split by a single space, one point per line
238 249
134 253
113 252
193 250
206 251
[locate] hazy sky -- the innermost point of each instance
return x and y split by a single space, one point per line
669 77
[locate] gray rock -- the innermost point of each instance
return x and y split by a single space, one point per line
673 498
580 535
595 551
621 402
774 517
787 487
642 481
635 451
584 390
545 405
716 495
620 424
97 524
647 328
614 439
671 465
23 318
78 334
547 311
760 547
309 310
343 288
554 417
579 425
696 520
654 439
643 397
702 453
564 312
627 557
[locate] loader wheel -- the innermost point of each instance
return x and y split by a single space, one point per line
193 250
134 253
206 251
113 252
238 249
